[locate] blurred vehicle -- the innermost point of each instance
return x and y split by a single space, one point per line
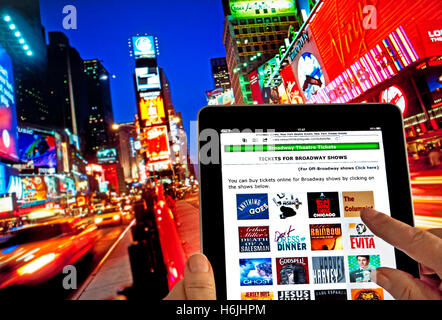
111 215
33 254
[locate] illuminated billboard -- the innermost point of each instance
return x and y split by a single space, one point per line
148 78
152 111
8 118
380 63
157 144
250 9
144 47
107 156
36 148
344 31
293 93
34 190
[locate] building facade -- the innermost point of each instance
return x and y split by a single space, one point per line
253 33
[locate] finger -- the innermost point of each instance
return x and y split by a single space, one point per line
177 292
420 245
402 286
199 283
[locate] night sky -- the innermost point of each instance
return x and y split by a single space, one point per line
189 34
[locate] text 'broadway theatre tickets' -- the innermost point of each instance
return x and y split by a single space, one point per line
293 200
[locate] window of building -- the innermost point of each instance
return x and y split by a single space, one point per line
275 19
291 18
248 49
267 20
283 19
236 31
245 31
261 29
256 48
255 39
251 21
265 47
277 28
259 20
242 21
271 37
240 50
273 46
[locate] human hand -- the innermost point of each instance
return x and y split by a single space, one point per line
198 282
423 246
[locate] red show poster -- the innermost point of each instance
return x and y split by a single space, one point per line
291 86
254 87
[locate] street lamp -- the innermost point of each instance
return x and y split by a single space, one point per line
115 126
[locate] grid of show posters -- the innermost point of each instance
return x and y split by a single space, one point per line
307 246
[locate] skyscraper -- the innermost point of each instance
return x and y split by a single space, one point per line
23 37
99 124
253 33
67 86
220 73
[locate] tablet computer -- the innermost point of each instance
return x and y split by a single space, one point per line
281 188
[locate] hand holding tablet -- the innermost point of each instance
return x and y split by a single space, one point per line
400 284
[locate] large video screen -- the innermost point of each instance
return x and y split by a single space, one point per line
144 47
36 148
148 78
8 118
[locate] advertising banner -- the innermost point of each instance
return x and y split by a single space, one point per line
346 30
107 155
8 118
380 63
254 87
152 111
432 37
148 78
37 149
291 86
144 47
157 144
34 190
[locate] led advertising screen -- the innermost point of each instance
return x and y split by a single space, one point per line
8 118
152 111
37 149
148 78
107 155
248 8
34 190
144 47
52 187
157 144
67 185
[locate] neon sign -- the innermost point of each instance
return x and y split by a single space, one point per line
381 63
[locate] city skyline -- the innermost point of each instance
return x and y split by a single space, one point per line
96 27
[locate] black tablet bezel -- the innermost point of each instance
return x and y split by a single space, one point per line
336 117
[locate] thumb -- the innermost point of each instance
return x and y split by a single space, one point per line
199 282
403 286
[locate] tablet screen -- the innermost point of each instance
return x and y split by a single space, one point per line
291 204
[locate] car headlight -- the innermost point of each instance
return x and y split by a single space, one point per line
116 217
98 220
37 264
